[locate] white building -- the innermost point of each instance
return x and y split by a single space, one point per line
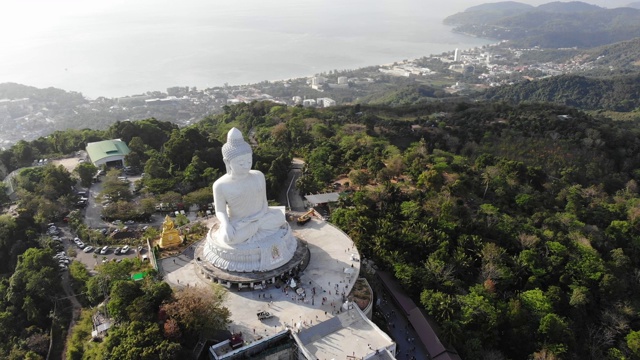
308 102
317 82
456 55
325 102
457 68
348 335
107 152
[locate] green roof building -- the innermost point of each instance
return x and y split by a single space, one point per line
108 152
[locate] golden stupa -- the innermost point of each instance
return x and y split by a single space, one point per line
170 235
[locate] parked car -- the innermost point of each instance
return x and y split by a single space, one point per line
125 249
117 251
104 250
262 315
88 249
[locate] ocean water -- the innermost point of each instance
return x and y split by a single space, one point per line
117 48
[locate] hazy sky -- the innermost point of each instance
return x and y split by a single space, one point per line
30 19
17 16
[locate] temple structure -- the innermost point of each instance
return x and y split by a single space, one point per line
251 236
170 235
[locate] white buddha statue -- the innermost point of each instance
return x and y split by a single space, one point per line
251 236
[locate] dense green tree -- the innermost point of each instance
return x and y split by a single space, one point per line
12 243
80 275
23 153
201 197
56 182
4 197
33 288
86 171
553 329
633 342
358 178
138 340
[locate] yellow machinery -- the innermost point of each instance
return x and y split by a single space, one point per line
305 217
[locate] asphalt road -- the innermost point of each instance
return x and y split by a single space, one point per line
93 210
291 197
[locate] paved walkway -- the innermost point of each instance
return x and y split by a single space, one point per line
330 250
398 327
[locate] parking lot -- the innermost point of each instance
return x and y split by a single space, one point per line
92 211
93 258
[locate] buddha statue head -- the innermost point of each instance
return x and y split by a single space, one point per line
236 152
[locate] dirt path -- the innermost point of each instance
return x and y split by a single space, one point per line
77 307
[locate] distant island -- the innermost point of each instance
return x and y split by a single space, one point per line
551 25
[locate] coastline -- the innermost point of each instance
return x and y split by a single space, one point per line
286 56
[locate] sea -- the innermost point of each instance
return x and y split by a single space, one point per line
117 48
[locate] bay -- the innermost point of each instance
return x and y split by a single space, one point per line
123 48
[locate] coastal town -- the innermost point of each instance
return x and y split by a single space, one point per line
459 72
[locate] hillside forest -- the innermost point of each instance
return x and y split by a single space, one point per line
516 227
551 25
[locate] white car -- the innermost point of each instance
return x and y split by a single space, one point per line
88 249
104 250
262 315
124 250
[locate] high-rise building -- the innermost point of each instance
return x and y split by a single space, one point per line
456 55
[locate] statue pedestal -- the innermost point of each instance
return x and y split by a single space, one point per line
169 241
263 255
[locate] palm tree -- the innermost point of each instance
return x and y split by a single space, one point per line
489 173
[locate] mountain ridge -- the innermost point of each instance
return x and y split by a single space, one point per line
550 25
